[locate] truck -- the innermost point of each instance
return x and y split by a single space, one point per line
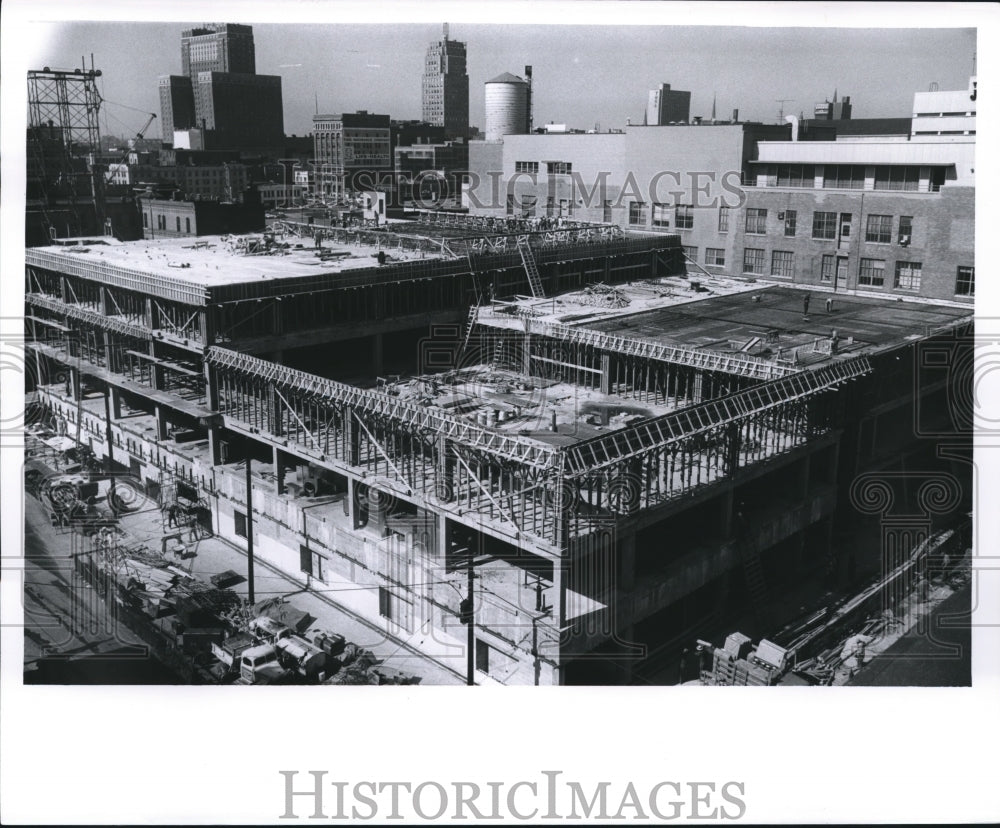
260 665
306 659
267 630
290 658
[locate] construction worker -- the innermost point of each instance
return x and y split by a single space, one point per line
172 515
829 304
805 305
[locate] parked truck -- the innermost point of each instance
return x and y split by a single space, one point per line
290 658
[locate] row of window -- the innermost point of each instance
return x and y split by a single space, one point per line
871 272
551 167
850 176
161 222
877 231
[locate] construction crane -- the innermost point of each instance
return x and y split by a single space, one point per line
131 144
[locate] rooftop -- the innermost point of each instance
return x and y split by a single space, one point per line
756 319
211 261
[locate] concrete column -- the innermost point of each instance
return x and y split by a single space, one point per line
441 537
161 423
115 398
526 367
73 383
353 438
103 300
377 363
279 470
206 327
213 445
211 387
108 352
445 470
352 503
152 320
156 370
605 373
277 412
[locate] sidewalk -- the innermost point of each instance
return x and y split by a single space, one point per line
210 555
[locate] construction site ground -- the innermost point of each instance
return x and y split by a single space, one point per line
207 556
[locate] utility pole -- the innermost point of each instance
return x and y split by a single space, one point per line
249 534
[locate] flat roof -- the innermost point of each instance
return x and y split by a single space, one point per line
212 261
732 315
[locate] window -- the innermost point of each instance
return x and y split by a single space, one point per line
828 268
558 167
794 175
723 219
187 225
637 212
965 282
691 253
661 215
907 275
145 220
905 230
790 220
756 220
239 523
824 225
607 212
782 263
178 224
871 272
897 178
510 204
879 229
715 257
526 166
844 176
753 260
684 216
528 203
550 206
482 656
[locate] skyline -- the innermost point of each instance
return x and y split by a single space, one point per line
344 68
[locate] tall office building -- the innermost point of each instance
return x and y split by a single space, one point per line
446 87
668 106
218 47
220 92
352 151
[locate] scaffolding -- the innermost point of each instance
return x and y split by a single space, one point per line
63 109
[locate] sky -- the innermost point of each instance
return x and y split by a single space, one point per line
583 75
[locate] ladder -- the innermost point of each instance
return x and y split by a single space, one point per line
530 267
469 325
498 353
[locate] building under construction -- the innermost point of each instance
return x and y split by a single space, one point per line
549 436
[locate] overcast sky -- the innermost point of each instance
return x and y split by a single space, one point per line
584 75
